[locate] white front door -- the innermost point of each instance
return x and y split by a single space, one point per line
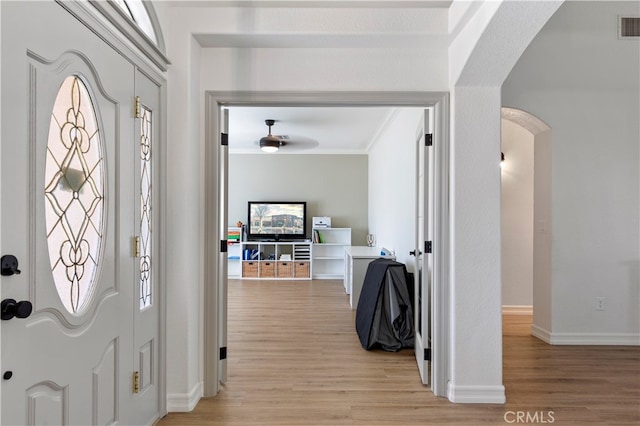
68 215
423 257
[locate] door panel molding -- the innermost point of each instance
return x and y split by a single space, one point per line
46 401
105 386
50 74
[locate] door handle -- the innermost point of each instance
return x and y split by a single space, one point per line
413 252
9 308
9 265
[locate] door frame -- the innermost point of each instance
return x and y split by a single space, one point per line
215 100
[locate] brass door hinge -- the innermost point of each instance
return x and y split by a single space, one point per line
136 107
136 246
136 382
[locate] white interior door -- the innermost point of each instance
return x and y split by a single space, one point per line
223 167
68 215
423 247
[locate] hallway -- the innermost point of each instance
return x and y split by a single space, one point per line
295 359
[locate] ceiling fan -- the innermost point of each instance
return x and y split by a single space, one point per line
272 143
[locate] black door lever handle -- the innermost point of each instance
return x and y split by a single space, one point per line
9 308
9 265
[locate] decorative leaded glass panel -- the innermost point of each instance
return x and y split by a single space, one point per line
74 194
145 208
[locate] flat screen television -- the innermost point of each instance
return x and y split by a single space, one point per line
277 220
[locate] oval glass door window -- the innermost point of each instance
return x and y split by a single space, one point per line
74 194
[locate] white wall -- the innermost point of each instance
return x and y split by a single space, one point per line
476 358
479 63
302 63
583 82
517 215
348 66
319 69
392 184
351 66
475 253
184 220
332 185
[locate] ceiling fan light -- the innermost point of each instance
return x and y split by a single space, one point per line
269 144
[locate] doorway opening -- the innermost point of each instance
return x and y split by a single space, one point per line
215 196
526 218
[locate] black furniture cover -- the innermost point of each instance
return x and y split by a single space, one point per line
384 316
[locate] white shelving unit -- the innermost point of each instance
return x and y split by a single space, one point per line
276 260
328 254
322 260
234 253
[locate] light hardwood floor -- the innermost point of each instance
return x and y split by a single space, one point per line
295 359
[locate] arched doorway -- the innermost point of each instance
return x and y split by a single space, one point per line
526 217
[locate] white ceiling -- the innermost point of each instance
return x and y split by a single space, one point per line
334 130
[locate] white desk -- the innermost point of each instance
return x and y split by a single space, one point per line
356 262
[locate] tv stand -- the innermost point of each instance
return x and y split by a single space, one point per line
322 259
275 260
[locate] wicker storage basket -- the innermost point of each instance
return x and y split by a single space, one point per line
301 270
284 270
267 269
250 269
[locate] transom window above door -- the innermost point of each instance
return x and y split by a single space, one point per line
137 12
132 21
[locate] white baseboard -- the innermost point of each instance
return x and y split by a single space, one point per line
592 339
476 394
541 333
517 310
184 402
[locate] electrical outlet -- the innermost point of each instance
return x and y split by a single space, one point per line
600 303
